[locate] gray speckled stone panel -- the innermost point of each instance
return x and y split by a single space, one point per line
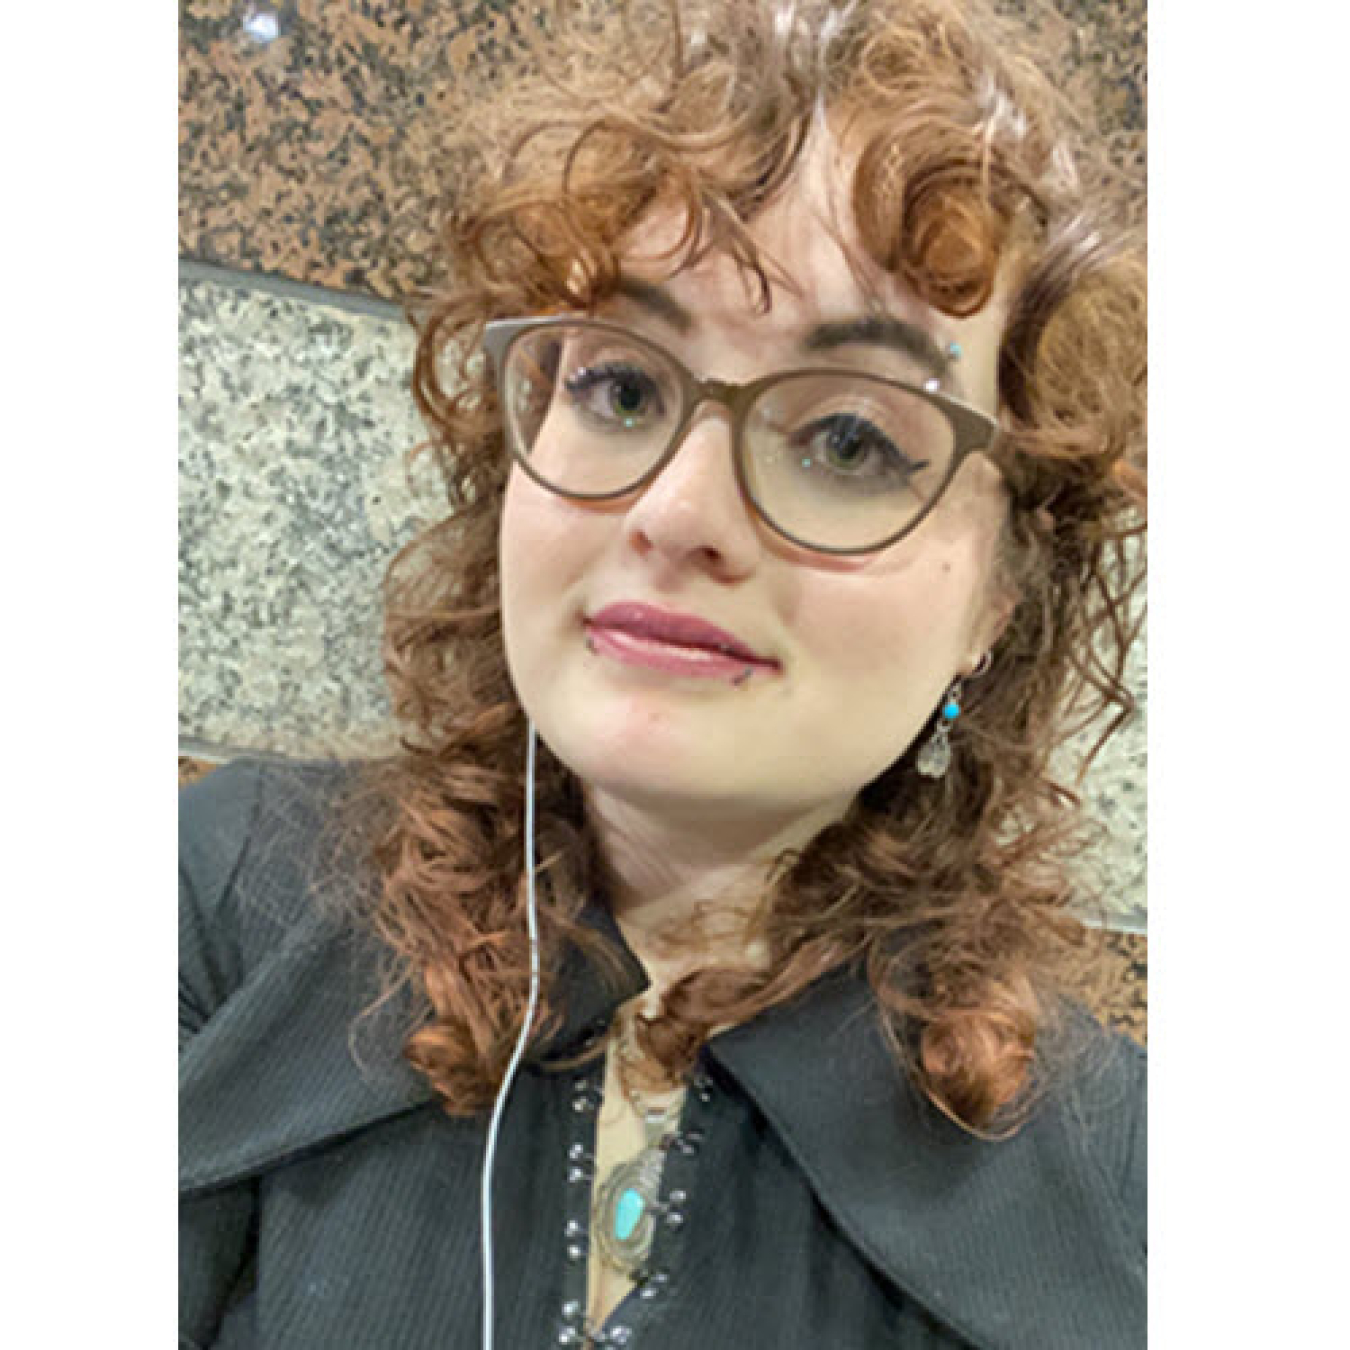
295 419
1116 793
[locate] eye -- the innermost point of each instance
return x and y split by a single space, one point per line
851 446
616 394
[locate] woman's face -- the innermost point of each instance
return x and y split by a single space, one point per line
855 652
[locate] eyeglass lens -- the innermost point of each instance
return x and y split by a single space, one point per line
834 459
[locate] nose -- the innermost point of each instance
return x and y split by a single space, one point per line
693 512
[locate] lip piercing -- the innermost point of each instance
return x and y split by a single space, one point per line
590 644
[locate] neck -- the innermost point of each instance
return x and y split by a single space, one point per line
687 890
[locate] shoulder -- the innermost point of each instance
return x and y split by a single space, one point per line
1098 1110
257 848
1030 1241
276 971
219 814
272 976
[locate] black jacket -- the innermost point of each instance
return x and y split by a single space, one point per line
812 1199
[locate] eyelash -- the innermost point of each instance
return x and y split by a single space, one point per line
589 378
897 461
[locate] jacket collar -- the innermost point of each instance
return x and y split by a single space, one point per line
285 1063
295 1058
1018 1245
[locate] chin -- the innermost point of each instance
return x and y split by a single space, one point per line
627 767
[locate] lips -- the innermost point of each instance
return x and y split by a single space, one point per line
680 630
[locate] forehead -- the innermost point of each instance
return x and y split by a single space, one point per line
817 272
818 296
811 259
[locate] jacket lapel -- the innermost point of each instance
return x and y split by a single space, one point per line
1016 1245
293 1059
279 1068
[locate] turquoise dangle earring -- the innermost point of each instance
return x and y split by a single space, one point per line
935 756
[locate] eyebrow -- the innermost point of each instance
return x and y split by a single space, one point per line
658 300
880 330
876 330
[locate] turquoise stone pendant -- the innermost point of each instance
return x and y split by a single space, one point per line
628 1212
623 1219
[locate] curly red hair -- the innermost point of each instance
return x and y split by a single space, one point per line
952 895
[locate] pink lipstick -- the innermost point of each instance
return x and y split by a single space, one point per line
681 644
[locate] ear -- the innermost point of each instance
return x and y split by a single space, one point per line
1003 594
998 610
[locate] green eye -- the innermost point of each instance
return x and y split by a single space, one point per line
616 395
844 448
854 447
627 398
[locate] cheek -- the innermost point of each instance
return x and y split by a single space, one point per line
543 542
535 562
880 626
883 647
549 551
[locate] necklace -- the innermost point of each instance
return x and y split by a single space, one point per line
626 1202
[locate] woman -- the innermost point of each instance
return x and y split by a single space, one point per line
787 524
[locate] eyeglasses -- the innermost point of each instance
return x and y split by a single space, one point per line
837 461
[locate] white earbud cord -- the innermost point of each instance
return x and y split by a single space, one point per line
500 1104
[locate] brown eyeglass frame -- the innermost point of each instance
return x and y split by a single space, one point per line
972 430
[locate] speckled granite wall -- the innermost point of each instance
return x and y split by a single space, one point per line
311 157
294 424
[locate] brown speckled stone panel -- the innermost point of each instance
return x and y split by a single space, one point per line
1124 1005
314 156
1097 51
